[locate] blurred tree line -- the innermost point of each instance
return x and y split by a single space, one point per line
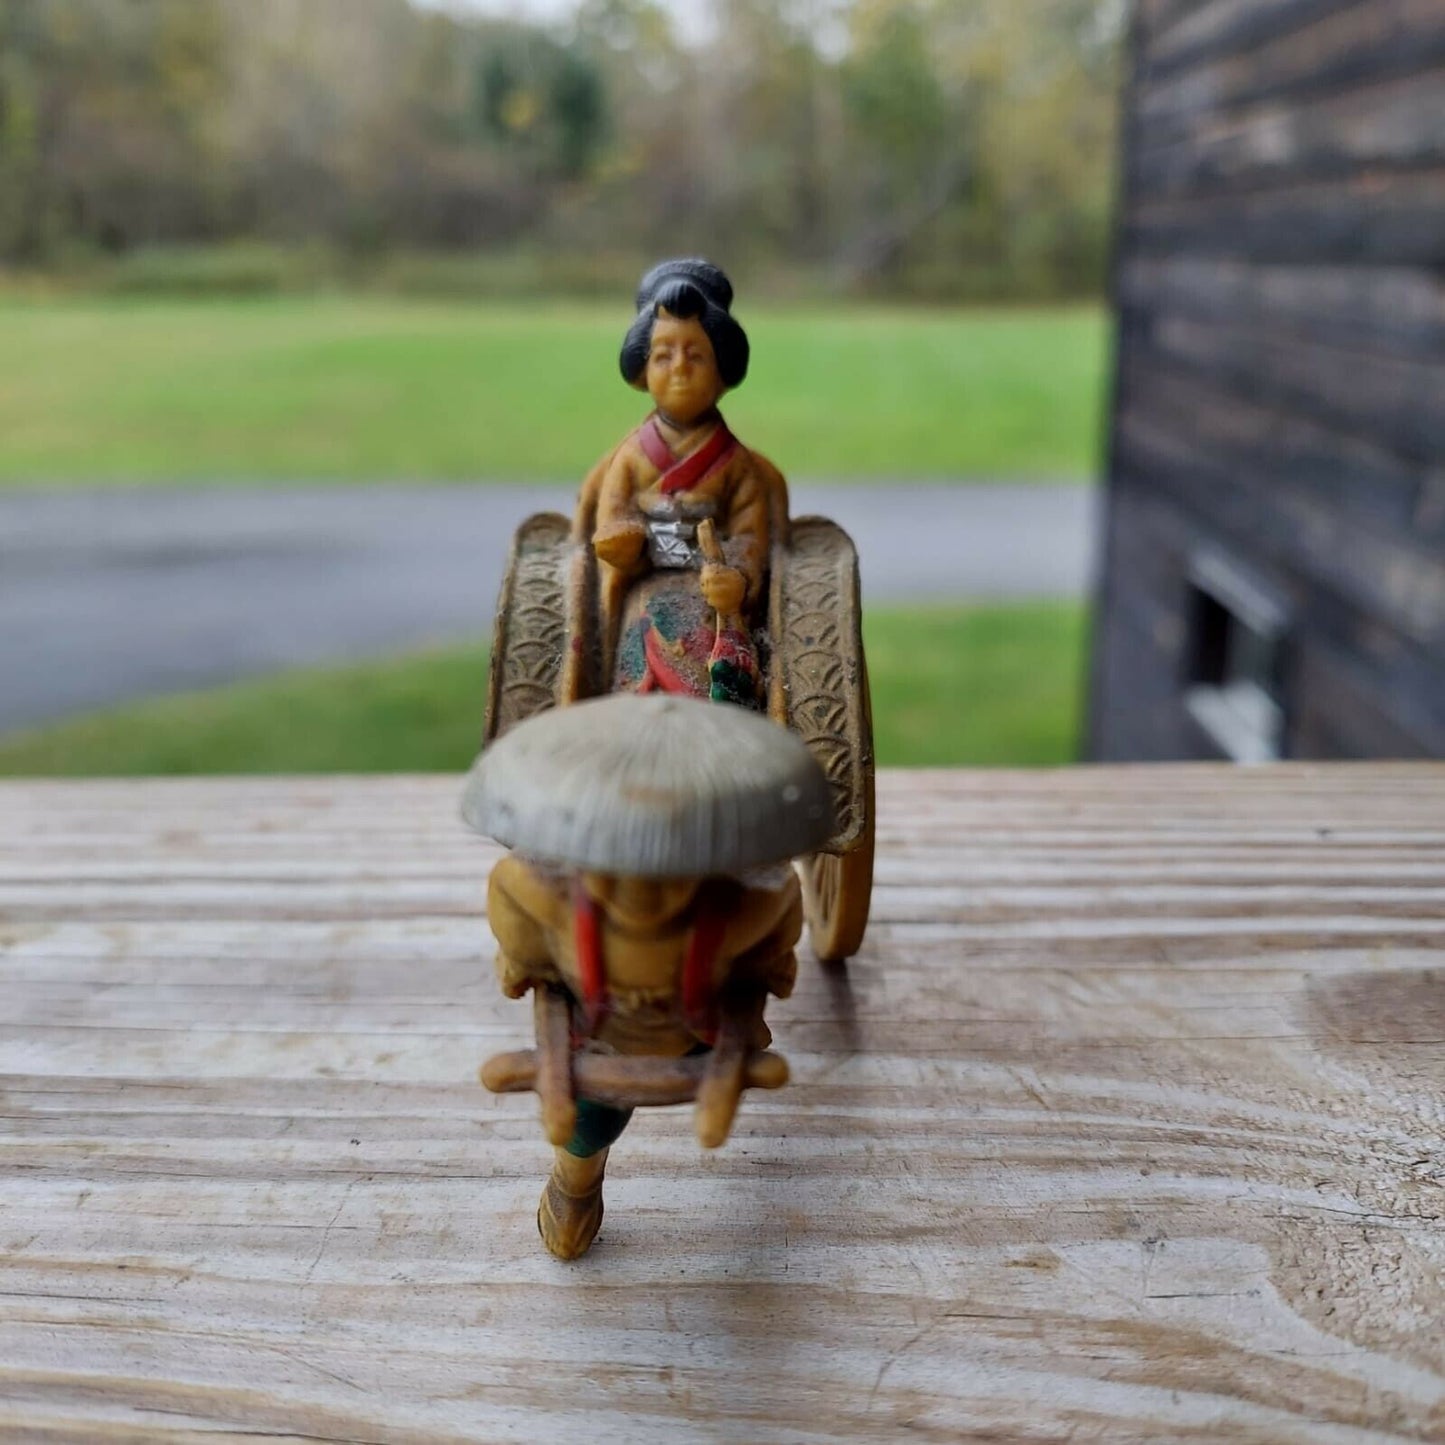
923 147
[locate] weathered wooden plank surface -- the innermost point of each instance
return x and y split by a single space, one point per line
1128 1124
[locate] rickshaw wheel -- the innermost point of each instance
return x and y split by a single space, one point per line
837 889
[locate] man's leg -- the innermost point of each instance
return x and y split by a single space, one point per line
570 1213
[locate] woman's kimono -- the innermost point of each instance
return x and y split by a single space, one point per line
668 638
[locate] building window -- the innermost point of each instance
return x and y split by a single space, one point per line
1234 661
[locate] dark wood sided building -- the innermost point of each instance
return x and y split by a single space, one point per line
1274 575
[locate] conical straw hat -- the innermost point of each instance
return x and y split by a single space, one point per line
656 786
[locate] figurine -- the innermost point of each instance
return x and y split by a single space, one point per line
681 572
650 910
684 513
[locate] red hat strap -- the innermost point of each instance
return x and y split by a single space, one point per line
704 943
699 1002
587 938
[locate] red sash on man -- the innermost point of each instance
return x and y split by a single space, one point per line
683 475
704 943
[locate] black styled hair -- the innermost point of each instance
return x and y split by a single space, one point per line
687 287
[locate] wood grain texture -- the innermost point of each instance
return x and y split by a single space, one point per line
1127 1124
1303 527
1197 32
1361 482
1336 49
1280 370
1391 309
1396 401
1392 123
1357 686
1372 218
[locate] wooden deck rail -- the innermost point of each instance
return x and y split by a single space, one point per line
1129 1123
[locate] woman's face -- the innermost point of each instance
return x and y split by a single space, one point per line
682 375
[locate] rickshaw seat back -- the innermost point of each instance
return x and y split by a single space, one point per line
547 649
529 635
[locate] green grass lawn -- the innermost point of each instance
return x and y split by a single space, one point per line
369 387
977 685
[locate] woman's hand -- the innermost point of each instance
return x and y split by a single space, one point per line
723 587
621 544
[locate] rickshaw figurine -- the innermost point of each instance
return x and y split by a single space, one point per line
681 572
630 908
640 909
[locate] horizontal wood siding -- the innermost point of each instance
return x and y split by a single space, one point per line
1280 392
1371 218
1388 309
1356 45
1397 124
1189 35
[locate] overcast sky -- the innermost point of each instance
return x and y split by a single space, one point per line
689 15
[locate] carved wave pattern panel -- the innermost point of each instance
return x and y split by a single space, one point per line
536 625
817 633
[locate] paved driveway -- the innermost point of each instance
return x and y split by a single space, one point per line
117 594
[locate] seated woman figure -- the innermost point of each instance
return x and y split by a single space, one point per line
675 619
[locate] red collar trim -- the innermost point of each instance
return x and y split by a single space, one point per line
684 474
